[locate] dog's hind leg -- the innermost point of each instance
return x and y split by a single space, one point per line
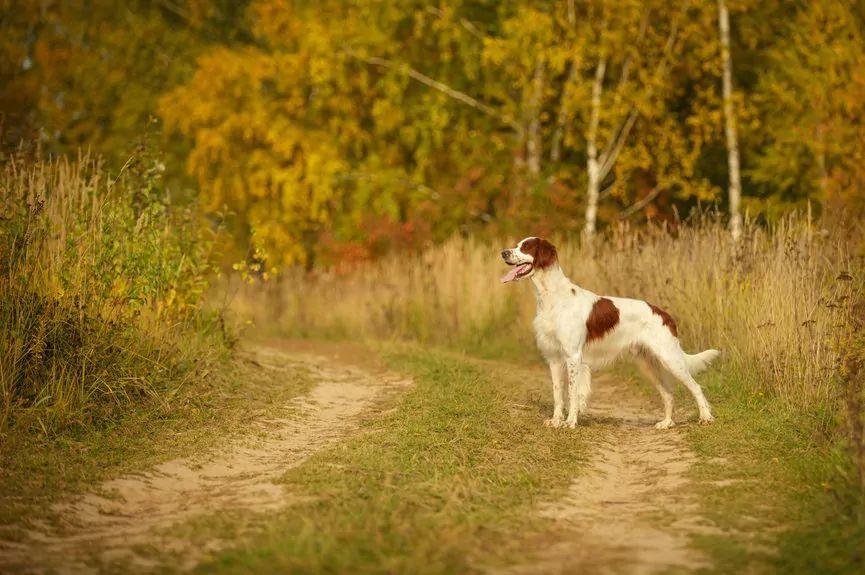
673 361
655 374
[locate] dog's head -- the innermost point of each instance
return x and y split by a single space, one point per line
530 255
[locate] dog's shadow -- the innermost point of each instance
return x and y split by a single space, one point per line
617 421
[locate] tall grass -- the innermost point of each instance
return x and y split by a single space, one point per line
100 280
785 305
770 303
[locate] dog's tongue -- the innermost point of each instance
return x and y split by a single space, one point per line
513 273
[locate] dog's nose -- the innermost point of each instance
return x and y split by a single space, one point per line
505 253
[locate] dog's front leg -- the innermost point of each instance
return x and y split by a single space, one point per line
559 374
580 377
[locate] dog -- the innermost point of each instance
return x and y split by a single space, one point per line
579 332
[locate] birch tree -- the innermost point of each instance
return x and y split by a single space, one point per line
624 31
592 166
730 129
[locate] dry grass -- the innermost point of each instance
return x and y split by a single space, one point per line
100 281
770 303
779 305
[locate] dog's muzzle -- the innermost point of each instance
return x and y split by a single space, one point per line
519 271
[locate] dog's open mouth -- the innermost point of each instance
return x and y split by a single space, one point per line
517 272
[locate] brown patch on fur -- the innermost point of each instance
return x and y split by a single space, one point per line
543 253
666 318
573 291
604 317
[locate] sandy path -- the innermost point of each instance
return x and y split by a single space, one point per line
632 511
122 517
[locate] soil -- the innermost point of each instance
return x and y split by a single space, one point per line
117 522
633 510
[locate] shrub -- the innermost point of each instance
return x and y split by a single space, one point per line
100 284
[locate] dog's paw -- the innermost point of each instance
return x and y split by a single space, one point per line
664 424
706 419
554 422
571 423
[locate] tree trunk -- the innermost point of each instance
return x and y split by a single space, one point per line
533 142
593 167
822 166
735 188
562 122
563 117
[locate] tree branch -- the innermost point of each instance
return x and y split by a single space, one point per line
626 66
614 147
610 155
441 87
464 22
640 204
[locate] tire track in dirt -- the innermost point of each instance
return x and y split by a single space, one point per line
634 510
117 522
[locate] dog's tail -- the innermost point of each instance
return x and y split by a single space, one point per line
700 361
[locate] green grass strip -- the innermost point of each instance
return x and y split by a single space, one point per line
435 483
774 485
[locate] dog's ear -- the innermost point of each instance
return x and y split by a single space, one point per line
545 254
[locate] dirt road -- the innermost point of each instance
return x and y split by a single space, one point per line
121 522
633 511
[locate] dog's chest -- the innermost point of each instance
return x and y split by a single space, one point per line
548 333
560 324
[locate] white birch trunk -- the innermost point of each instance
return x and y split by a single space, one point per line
735 189
593 167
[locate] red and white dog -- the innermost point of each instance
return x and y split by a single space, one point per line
578 331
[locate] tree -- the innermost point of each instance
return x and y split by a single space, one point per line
319 132
346 117
811 104
643 51
90 74
735 185
335 130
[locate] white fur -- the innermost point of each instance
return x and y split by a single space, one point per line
561 332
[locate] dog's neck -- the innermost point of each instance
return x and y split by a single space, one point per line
549 281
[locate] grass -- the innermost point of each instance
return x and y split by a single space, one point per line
779 305
36 471
770 303
101 285
451 477
433 485
774 487
109 361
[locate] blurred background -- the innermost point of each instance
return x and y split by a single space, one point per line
330 133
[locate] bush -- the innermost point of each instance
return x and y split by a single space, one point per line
101 280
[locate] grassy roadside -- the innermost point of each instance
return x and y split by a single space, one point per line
769 479
427 487
35 471
109 360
